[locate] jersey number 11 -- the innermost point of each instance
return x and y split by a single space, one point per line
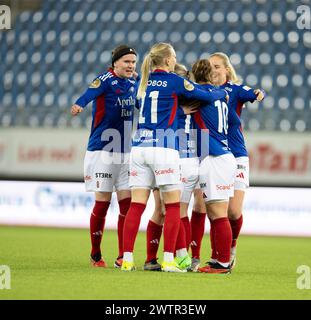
154 107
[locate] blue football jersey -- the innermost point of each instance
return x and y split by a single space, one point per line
113 101
158 120
212 123
187 139
239 94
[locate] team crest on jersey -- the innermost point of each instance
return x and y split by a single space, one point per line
131 89
95 84
188 86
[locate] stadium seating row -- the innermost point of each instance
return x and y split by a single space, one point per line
51 55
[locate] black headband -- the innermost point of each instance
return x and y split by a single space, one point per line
122 53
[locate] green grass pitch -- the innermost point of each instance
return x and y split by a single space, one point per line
49 263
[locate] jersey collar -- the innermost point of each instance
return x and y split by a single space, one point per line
112 71
221 85
159 70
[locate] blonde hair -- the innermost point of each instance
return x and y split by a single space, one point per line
154 58
181 70
231 76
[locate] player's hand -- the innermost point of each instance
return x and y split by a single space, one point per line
260 95
75 109
135 75
191 107
227 96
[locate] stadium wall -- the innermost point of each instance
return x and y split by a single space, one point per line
276 158
53 154
267 211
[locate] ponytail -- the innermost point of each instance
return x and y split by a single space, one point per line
154 58
145 71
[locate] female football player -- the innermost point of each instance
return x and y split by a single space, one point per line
189 166
154 157
217 167
106 162
224 76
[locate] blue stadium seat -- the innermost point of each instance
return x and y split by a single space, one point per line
66 43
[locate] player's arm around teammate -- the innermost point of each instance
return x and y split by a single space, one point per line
143 168
105 165
224 76
217 168
154 158
189 165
